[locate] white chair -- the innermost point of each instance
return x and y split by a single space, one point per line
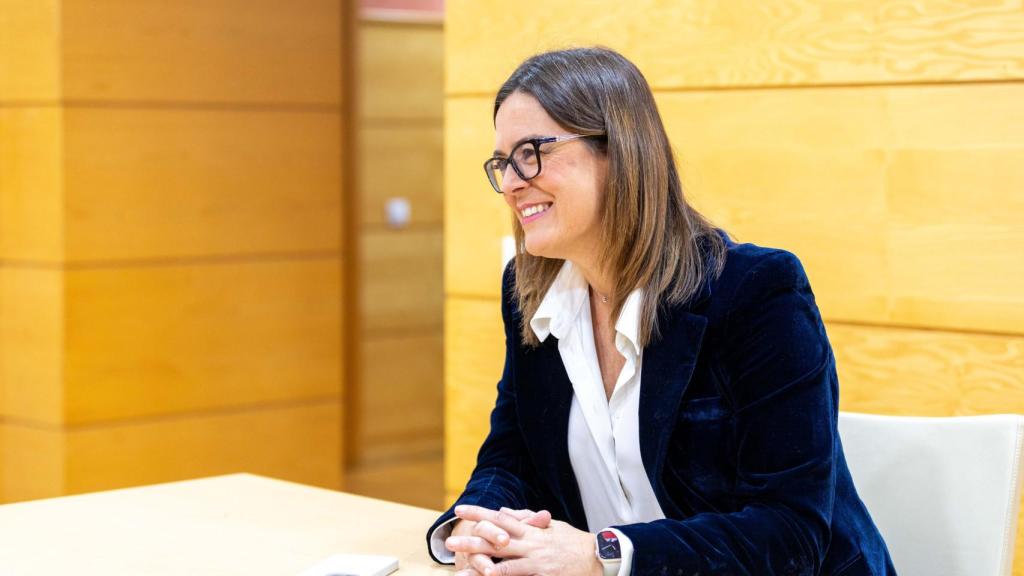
944 492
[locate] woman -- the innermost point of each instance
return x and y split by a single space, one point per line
669 398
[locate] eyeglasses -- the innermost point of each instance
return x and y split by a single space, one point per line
524 159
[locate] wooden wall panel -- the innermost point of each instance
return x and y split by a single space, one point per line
956 233
775 42
802 169
231 51
401 74
29 50
475 353
31 178
401 161
212 183
475 217
394 425
299 442
401 280
31 345
171 191
401 396
927 373
413 481
156 340
33 462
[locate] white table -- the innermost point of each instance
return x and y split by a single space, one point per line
238 524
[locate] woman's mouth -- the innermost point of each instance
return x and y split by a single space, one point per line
534 211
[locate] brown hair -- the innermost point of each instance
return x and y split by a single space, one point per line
650 237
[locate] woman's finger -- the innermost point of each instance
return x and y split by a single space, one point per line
470 545
513 527
483 564
518 514
488 531
540 519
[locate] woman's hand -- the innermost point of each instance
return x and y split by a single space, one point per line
487 536
558 549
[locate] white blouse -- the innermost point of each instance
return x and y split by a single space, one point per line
604 434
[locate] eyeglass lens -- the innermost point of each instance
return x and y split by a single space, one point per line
524 160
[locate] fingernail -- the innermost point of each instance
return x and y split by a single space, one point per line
460 509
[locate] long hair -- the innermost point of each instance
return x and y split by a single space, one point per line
651 238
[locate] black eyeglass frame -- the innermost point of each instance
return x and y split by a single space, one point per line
536 143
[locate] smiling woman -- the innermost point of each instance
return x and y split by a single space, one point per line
669 398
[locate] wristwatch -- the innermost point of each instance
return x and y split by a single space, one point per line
609 552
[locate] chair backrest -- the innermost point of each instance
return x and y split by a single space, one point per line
944 492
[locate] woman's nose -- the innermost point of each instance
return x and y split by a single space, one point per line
510 181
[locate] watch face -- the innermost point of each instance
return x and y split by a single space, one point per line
608 546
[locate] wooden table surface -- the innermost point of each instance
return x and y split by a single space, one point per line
238 524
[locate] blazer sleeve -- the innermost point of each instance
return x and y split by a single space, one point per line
779 375
503 474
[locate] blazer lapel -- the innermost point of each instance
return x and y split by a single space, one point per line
667 367
544 400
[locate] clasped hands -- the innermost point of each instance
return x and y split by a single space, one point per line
528 542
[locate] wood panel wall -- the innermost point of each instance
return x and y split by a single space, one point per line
882 142
395 422
171 242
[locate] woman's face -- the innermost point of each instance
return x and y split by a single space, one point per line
567 190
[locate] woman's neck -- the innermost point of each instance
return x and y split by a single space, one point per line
600 281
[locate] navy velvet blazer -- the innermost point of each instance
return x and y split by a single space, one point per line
738 409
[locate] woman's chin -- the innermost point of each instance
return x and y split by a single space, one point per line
537 247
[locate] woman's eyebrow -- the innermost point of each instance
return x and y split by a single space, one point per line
518 142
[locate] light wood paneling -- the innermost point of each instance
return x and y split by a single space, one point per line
956 233
395 425
475 217
165 339
401 398
29 50
31 177
401 161
33 462
401 74
401 283
836 176
833 174
775 42
927 373
31 345
475 344
170 183
241 51
301 442
412 481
